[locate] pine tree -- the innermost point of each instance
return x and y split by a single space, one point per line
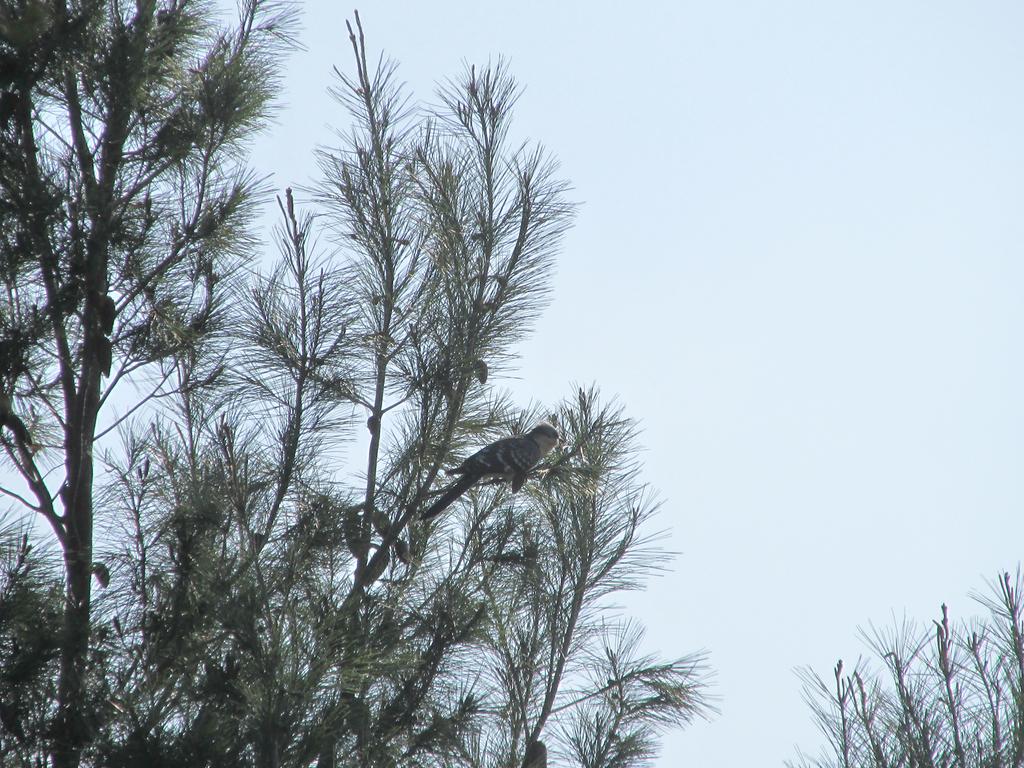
951 694
122 209
266 605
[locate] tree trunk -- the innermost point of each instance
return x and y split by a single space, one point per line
73 726
71 729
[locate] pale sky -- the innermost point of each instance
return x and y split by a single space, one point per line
798 263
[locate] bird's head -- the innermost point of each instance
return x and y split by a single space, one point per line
546 436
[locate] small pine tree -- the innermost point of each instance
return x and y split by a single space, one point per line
948 695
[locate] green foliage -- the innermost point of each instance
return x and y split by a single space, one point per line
123 213
30 622
947 695
274 598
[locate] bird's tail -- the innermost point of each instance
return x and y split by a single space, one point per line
447 498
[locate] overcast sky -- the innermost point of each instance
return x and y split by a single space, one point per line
798 263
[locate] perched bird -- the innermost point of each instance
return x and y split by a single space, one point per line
511 458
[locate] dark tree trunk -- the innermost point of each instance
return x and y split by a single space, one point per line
73 725
71 729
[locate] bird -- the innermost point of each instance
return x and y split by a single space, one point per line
510 458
